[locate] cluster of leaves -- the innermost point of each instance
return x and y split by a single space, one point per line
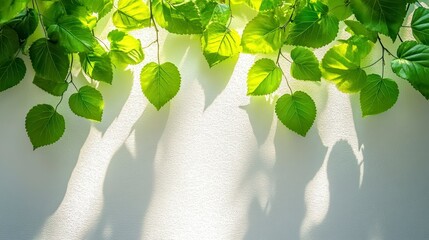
68 32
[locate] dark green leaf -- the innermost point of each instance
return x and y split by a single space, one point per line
357 28
378 95
54 87
305 65
9 44
10 8
131 14
49 60
160 83
296 111
11 73
88 103
44 125
219 43
25 23
264 77
412 64
420 25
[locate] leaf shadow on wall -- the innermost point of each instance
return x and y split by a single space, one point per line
197 67
129 179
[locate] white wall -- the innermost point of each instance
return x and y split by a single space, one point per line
214 163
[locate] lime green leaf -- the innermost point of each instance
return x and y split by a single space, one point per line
305 65
52 13
296 111
357 28
102 7
215 12
25 23
11 73
10 8
412 64
420 25
131 14
180 17
9 43
378 95
264 77
72 34
263 5
160 83
124 49
339 8
313 27
97 64
88 103
51 86
219 43
263 34
44 125
384 16
49 60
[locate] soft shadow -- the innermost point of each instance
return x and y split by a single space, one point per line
281 217
129 180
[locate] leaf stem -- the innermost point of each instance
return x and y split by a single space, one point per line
280 67
70 75
384 48
372 64
156 29
61 99
36 6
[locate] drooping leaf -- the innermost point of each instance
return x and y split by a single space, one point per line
263 34
219 43
51 86
131 14
72 34
297 112
88 103
412 64
341 65
420 25
97 64
25 23
313 27
9 43
11 73
378 95
305 65
384 16
10 8
357 28
264 77
124 49
177 17
49 60
215 12
160 83
44 125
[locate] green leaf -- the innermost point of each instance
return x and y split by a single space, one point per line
9 43
263 5
52 13
357 28
378 95
25 23
49 60
51 86
215 12
219 43
412 64
177 17
11 73
72 34
296 111
160 83
97 64
420 25
102 7
10 8
264 77
44 125
124 49
305 65
339 8
131 14
313 27
384 16
88 103
341 65
263 34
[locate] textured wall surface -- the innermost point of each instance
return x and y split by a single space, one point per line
214 163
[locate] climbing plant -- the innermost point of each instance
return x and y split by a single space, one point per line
58 35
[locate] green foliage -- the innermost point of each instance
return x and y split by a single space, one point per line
296 111
55 33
